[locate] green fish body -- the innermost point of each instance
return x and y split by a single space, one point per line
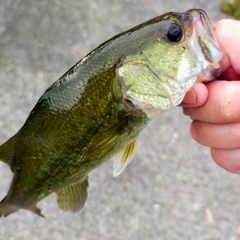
96 110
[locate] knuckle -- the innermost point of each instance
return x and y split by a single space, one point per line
226 114
226 111
220 158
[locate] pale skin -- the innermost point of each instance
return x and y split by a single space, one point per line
215 107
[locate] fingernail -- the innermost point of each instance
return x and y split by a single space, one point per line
189 99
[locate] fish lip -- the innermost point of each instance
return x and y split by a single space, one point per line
199 14
205 43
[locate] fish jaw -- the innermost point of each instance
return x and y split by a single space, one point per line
205 45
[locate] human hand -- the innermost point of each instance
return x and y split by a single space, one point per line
215 107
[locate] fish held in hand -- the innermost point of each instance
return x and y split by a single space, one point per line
97 109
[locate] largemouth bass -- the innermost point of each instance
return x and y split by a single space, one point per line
97 109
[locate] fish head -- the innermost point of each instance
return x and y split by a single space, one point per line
179 49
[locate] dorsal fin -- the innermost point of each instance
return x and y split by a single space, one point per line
6 151
73 196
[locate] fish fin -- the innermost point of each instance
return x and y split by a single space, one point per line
6 151
6 209
105 140
73 196
122 159
37 211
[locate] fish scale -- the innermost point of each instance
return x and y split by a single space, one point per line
97 109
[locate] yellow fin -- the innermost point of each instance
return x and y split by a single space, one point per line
122 159
73 196
6 150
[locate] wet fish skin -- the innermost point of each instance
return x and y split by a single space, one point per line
97 109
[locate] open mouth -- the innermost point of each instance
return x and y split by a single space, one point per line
205 44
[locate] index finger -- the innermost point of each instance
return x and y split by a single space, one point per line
228 35
222 105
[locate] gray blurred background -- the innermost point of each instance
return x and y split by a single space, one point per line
171 190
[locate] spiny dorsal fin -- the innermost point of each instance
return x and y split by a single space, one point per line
73 196
122 159
6 151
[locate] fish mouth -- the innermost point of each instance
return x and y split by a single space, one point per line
205 45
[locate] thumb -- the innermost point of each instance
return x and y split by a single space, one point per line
196 96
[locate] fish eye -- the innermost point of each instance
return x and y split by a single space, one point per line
174 33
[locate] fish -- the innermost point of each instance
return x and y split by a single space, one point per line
96 110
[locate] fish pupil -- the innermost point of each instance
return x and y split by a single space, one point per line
174 33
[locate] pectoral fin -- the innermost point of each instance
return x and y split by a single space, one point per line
122 159
73 196
105 140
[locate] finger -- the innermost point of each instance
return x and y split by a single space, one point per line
229 74
227 159
225 136
196 96
228 35
222 106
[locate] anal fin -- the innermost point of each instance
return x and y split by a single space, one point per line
73 196
123 158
